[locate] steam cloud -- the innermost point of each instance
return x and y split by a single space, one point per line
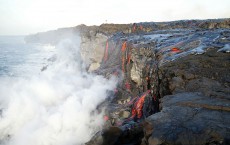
56 107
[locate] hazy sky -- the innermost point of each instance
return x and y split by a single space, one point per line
30 16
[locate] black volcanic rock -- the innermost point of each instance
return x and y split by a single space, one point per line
189 118
192 83
185 65
199 109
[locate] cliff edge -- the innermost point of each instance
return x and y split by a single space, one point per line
183 65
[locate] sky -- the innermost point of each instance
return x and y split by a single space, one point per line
22 17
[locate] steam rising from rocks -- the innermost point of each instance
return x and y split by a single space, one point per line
57 107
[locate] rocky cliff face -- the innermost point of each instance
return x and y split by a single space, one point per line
197 111
184 64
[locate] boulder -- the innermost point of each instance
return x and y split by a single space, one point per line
190 118
198 109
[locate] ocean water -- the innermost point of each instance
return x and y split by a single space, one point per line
46 96
19 59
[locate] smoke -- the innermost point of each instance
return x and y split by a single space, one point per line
57 107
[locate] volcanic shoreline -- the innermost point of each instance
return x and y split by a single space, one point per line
184 64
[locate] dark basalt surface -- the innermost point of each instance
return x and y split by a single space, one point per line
184 64
192 84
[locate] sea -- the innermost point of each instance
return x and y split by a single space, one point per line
19 59
46 96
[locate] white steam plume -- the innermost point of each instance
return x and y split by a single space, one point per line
55 108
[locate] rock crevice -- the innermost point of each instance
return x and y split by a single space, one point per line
184 64
186 71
